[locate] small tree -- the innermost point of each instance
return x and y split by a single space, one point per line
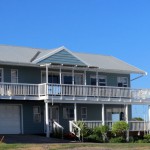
119 128
104 129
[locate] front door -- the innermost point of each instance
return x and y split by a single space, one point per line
53 116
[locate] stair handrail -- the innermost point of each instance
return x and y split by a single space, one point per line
57 125
73 127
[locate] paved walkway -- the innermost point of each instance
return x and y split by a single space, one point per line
31 139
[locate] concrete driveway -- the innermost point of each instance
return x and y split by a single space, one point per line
31 139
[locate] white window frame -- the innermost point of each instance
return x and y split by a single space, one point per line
103 77
99 76
49 72
70 74
120 79
36 114
2 75
14 78
83 114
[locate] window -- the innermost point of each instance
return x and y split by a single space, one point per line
102 80
53 78
78 78
67 79
36 114
14 76
68 113
122 81
83 113
93 79
1 75
115 117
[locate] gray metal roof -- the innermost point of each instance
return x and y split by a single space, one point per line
109 63
25 55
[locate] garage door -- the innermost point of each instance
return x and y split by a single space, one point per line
10 119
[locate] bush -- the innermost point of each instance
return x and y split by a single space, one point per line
119 128
117 140
147 138
85 131
94 138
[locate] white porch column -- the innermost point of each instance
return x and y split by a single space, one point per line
60 76
103 114
126 113
47 120
127 121
149 118
85 77
72 76
96 78
47 73
75 112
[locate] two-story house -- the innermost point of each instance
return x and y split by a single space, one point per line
40 87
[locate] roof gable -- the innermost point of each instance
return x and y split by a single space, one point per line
61 56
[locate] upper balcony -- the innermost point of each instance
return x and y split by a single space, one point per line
74 93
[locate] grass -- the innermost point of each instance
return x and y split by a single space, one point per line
75 146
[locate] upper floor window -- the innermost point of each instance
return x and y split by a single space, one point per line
1 75
102 80
68 79
14 75
122 81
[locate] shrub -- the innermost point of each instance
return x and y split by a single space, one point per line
94 138
147 138
117 140
85 131
101 131
119 128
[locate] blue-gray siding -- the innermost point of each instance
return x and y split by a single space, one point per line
63 57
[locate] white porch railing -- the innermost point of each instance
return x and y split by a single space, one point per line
57 127
98 91
133 125
88 90
11 89
139 126
73 128
92 124
75 91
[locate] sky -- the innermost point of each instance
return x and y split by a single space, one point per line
120 28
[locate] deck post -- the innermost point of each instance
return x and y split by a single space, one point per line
75 112
127 121
148 118
47 120
103 115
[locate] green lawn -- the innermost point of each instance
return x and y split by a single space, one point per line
86 146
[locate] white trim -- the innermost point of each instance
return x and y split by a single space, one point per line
56 51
